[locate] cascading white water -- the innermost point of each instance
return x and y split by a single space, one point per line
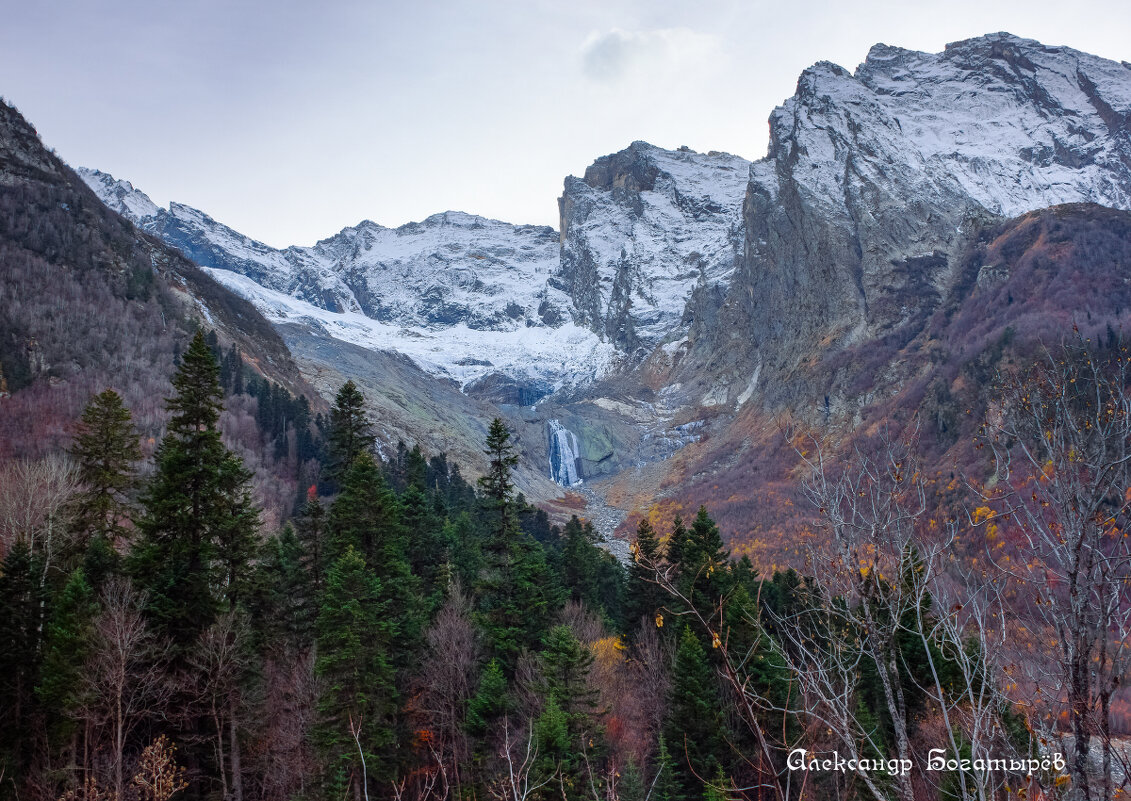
565 455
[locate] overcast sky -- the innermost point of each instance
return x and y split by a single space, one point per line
290 120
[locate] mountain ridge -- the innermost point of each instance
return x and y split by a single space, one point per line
684 290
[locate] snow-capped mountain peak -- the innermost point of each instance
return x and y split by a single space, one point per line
121 196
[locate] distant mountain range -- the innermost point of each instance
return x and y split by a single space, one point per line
689 300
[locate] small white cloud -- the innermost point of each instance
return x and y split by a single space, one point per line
615 55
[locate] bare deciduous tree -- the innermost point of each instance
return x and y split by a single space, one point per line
448 684
1061 439
217 668
518 779
34 505
125 675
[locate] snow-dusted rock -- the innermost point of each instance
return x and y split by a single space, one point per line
874 181
644 230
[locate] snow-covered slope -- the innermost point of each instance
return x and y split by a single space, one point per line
466 297
549 358
461 295
644 230
876 179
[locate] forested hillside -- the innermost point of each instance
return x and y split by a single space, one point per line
413 635
88 302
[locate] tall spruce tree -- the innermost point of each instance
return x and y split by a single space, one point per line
643 596
105 449
198 526
351 433
693 724
366 517
497 486
360 696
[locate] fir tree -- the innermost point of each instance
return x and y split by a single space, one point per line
516 590
350 431
286 605
693 725
424 543
497 487
490 701
643 596
198 524
105 449
518 596
354 636
20 617
311 533
367 518
591 574
701 562
566 664
631 784
66 644
665 784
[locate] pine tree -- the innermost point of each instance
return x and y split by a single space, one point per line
354 636
497 487
105 449
643 596
66 644
367 517
693 725
350 431
198 525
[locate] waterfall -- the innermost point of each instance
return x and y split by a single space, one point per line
565 455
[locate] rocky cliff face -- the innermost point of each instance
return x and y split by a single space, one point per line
875 180
646 236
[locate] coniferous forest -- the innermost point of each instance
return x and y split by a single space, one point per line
412 633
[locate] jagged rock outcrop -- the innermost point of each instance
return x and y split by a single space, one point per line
646 235
875 180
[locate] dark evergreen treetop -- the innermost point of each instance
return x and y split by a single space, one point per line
199 399
350 430
497 487
105 449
